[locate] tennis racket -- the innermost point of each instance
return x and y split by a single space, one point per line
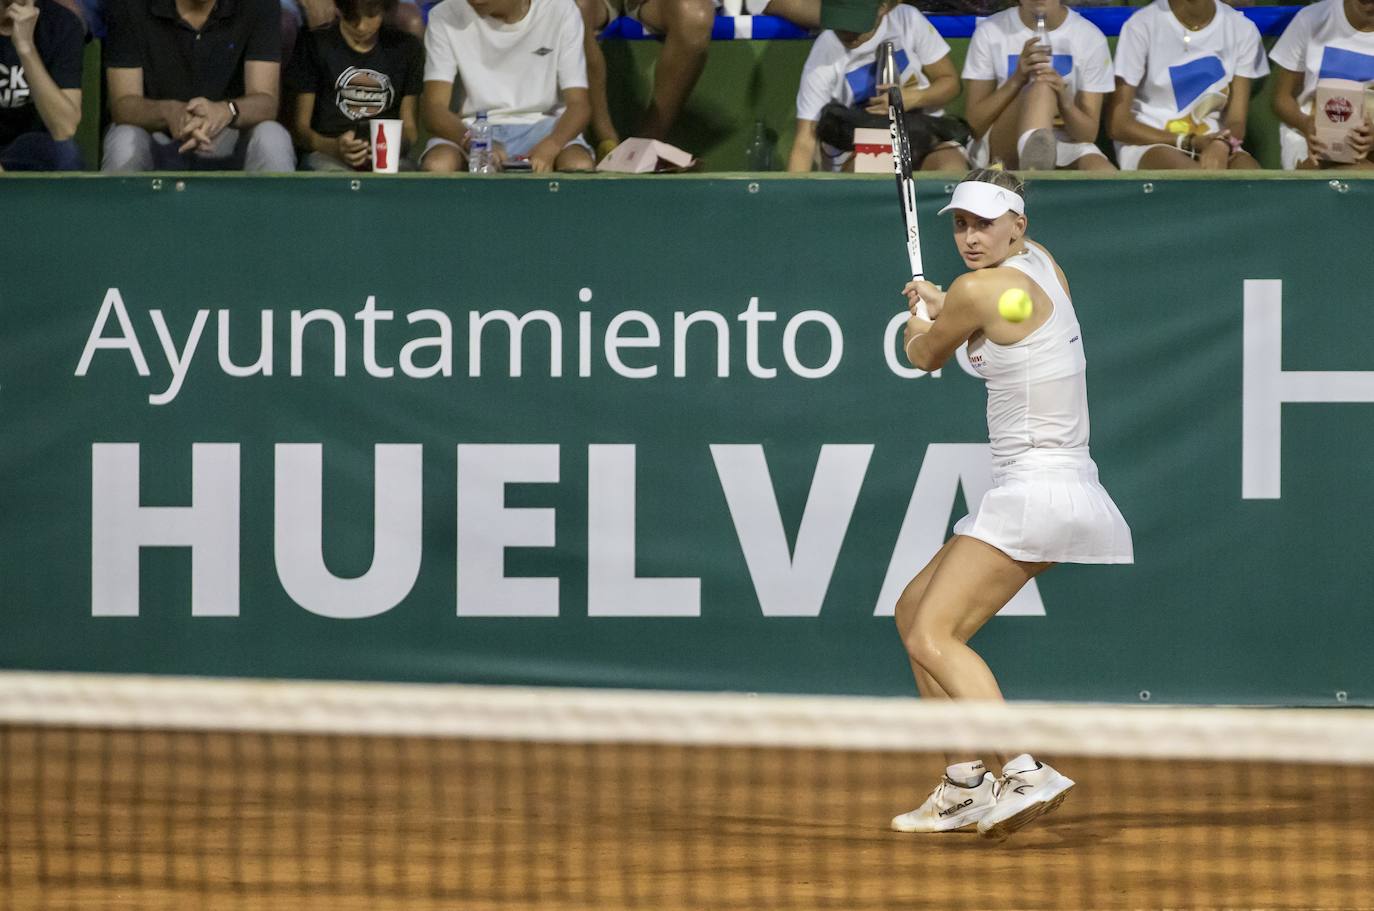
906 188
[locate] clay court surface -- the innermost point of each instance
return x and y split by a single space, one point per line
152 820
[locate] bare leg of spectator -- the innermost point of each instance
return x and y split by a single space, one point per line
595 17
1242 161
442 159
1092 163
1036 142
686 29
806 13
573 158
1164 158
950 158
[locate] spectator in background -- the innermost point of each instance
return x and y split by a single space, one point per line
520 61
193 86
684 25
1331 39
1034 107
841 75
1183 73
349 72
41 45
313 14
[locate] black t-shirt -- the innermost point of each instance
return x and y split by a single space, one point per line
350 87
180 63
60 39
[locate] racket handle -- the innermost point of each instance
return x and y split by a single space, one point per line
921 309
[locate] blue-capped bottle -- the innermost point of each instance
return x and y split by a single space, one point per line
480 160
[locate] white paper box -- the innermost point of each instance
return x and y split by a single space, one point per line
872 151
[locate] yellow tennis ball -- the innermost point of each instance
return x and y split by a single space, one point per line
1014 305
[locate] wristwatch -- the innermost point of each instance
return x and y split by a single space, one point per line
233 113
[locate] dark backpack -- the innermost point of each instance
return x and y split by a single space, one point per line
838 122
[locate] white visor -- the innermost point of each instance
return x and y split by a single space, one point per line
985 200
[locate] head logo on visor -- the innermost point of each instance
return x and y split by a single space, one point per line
985 200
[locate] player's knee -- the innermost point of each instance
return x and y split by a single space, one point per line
927 646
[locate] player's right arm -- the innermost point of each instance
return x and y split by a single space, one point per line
962 313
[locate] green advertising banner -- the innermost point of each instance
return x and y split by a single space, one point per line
657 433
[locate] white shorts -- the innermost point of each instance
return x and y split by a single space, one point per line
1047 506
1128 157
1292 147
1066 151
516 138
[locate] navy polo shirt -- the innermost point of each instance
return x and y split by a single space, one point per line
180 63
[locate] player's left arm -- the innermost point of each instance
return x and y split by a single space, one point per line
930 343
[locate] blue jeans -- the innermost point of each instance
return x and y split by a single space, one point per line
38 151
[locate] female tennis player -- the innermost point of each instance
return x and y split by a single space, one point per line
1045 506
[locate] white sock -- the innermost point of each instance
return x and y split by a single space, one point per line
968 774
755 7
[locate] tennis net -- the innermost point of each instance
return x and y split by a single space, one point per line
152 793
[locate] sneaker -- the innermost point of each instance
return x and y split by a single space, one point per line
1026 791
960 799
1038 152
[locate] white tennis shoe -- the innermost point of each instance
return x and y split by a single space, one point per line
955 802
1026 791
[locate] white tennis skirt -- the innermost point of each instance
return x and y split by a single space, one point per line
1047 506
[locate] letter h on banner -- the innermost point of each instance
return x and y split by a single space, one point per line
1267 386
121 527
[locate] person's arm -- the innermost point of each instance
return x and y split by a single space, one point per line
574 119
410 130
129 106
258 105
943 87
929 344
1237 107
1082 115
59 108
1287 85
1124 128
986 103
803 148
346 147
439 120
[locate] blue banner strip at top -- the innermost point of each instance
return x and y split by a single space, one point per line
1271 21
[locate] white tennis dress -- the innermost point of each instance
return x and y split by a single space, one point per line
1045 504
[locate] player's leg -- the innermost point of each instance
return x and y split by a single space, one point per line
965 792
595 17
972 583
686 29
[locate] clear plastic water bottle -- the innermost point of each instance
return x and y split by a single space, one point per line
759 153
480 160
1042 36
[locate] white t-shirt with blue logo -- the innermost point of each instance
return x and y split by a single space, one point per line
1078 47
833 73
1321 43
1179 73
